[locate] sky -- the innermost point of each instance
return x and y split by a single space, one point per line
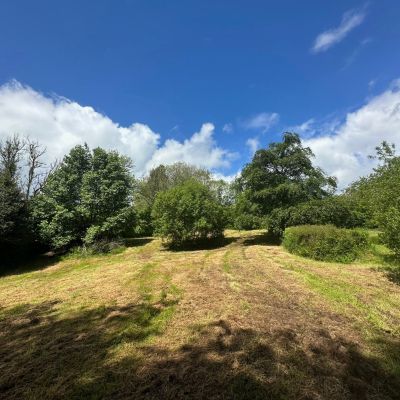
206 82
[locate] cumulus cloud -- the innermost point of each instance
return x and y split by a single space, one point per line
200 150
60 124
344 153
350 20
263 121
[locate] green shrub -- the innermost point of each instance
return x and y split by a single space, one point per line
188 213
144 223
335 211
325 242
391 230
247 222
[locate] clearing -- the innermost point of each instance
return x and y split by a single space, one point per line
242 320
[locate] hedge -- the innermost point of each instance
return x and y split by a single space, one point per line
335 211
325 242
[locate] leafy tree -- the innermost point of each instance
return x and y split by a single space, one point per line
379 192
391 230
12 204
283 175
87 198
247 215
187 213
165 177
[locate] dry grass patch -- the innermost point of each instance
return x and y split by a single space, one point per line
241 320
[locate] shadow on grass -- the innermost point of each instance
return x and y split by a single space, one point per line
137 242
391 267
29 263
23 263
103 354
267 239
207 244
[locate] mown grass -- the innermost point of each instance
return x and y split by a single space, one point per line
241 319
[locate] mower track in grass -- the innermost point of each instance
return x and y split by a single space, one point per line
240 320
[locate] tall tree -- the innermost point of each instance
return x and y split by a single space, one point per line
88 197
378 192
12 204
283 175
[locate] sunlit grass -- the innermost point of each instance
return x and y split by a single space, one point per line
244 319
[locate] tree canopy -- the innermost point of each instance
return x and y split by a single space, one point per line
283 175
188 212
87 197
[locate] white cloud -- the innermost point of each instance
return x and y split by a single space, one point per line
60 124
227 128
263 121
304 129
350 20
344 154
200 150
253 144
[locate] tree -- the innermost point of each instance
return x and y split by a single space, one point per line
377 193
162 178
87 198
12 204
283 175
20 163
391 230
34 163
187 213
165 177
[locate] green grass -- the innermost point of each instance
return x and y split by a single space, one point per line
242 319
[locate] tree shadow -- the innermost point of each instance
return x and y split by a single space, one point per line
137 242
29 263
89 354
24 263
263 239
391 267
206 244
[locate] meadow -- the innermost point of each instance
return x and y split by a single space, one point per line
239 319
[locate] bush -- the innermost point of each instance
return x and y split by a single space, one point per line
335 211
325 242
187 213
144 223
391 231
247 222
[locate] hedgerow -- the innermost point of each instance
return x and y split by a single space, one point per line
325 242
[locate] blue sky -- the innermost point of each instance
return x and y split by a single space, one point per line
251 68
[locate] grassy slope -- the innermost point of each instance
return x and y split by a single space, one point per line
245 320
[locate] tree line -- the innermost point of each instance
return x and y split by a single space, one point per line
92 199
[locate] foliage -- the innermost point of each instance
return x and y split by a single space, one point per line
325 242
165 177
379 192
144 222
283 175
391 230
188 212
336 210
246 214
87 198
20 161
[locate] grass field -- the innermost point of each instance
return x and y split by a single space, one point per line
242 320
